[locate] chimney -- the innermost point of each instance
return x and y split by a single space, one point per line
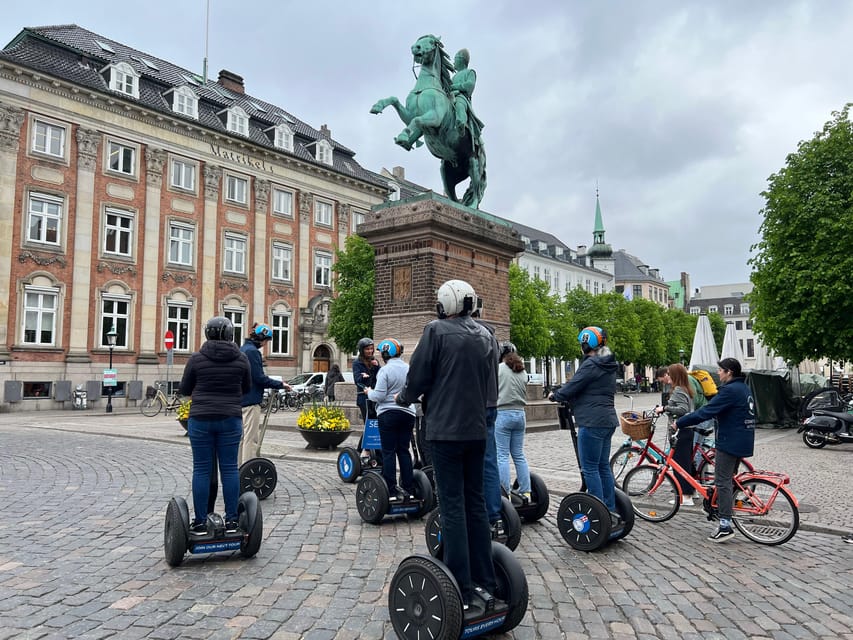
231 81
325 132
399 173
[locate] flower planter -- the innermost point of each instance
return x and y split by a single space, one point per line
323 439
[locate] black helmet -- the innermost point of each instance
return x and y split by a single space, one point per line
219 328
362 345
507 348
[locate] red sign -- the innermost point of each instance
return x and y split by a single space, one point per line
169 340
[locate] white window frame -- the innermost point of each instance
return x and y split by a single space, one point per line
40 313
181 243
324 152
179 321
122 152
712 308
45 217
322 269
234 251
282 202
185 102
695 311
116 317
282 262
237 316
728 309
358 217
123 227
236 189
323 212
238 121
744 308
283 137
281 333
124 79
49 133
182 175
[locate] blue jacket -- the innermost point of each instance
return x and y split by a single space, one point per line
591 392
734 409
260 380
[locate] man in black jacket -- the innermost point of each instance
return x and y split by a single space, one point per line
453 370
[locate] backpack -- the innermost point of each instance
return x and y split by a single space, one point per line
709 387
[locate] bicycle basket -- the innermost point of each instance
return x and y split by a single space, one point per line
635 425
150 392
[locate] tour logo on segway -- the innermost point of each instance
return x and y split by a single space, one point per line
581 523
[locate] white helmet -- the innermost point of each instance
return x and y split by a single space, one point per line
455 297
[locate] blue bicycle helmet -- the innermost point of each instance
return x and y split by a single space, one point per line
261 332
390 348
592 338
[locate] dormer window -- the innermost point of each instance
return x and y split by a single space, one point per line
324 152
185 101
238 121
283 137
124 79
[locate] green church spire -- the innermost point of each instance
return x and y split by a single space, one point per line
599 248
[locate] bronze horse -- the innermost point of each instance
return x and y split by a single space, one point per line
429 114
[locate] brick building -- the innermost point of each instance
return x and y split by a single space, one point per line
139 196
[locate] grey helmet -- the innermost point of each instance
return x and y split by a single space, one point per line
219 328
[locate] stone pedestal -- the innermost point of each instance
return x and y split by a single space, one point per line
421 243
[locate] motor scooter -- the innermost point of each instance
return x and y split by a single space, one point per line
827 427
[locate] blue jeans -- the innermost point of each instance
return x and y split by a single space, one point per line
594 452
509 437
220 439
395 432
491 477
458 469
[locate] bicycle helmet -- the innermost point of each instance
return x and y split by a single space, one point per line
390 348
455 298
592 338
507 348
261 332
362 345
219 328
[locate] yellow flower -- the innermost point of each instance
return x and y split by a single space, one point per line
183 412
323 417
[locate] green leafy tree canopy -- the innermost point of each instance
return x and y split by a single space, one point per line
351 312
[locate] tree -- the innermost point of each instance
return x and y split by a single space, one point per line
529 326
351 312
800 304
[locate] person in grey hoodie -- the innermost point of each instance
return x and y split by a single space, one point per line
395 422
591 393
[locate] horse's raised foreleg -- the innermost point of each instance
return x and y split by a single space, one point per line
380 106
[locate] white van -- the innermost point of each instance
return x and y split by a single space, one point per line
303 380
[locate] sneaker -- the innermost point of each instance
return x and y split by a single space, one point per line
198 529
526 496
232 526
615 520
687 501
721 534
498 529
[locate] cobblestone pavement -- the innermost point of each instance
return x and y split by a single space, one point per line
83 556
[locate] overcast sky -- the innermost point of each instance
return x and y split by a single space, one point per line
679 111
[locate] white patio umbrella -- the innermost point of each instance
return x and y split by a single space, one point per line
731 345
704 348
763 358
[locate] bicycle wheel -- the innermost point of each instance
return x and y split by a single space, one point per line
626 457
654 496
151 406
705 470
764 514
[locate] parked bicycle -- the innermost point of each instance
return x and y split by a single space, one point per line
156 401
765 510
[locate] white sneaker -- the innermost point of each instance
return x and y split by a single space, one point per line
687 501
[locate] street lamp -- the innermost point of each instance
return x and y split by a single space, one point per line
111 341
681 356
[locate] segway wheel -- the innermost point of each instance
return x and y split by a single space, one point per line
539 498
371 497
251 521
626 513
424 600
349 465
423 491
583 521
511 587
176 533
260 476
512 525
432 534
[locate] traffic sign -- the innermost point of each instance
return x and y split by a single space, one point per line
110 377
169 340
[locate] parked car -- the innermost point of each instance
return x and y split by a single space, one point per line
303 380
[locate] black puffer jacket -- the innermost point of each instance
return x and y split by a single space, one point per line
216 376
455 368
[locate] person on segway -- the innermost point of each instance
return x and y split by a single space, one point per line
216 376
364 370
452 370
591 394
250 446
395 422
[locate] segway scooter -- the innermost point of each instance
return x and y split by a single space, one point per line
536 507
259 474
350 462
373 497
510 537
424 600
177 540
584 520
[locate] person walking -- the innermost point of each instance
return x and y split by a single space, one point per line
334 375
250 445
511 421
734 409
452 371
216 377
395 422
681 402
591 394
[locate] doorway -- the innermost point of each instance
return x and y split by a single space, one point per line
322 358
